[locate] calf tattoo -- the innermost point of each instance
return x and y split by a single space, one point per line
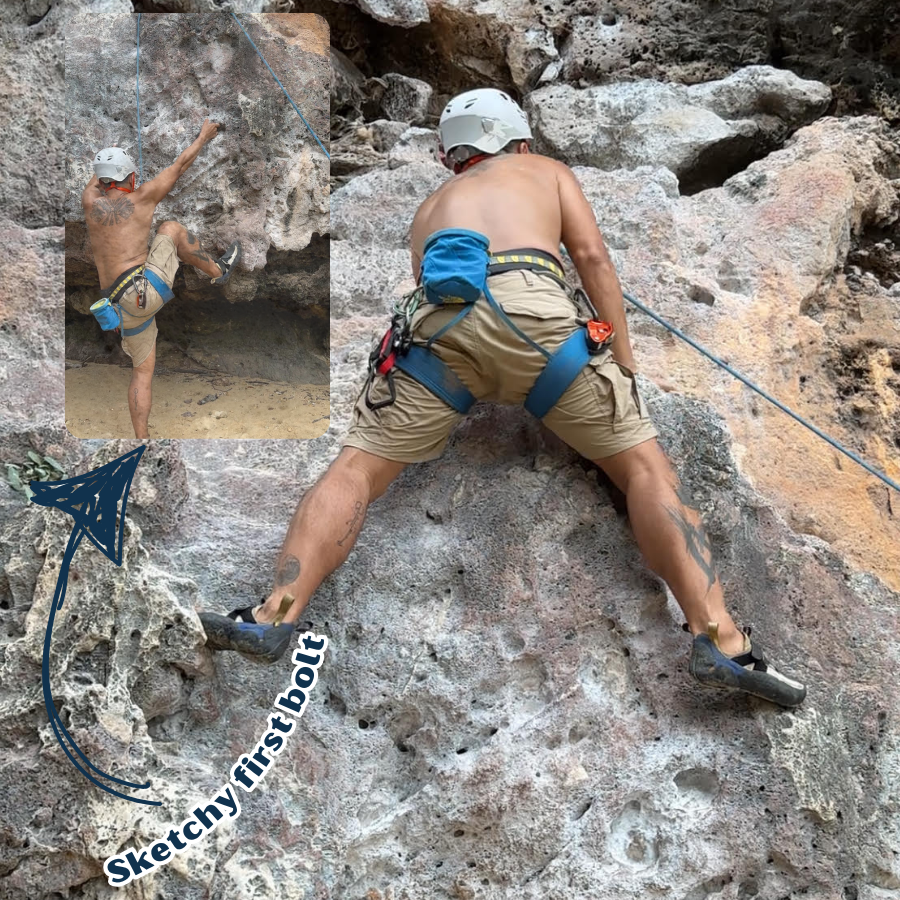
697 543
112 210
352 523
203 256
288 571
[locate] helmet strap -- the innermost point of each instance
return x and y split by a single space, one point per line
109 187
459 168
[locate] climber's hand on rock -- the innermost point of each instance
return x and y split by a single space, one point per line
208 130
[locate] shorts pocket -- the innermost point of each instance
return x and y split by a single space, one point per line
610 389
634 394
526 293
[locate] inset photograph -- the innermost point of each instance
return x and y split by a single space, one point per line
197 226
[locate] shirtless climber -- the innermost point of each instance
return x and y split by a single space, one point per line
491 332
119 217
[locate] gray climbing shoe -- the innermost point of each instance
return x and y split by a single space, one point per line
748 671
227 263
239 631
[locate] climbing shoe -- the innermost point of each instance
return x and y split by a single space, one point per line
747 671
239 630
227 263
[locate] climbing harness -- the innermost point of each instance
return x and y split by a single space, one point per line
785 409
452 275
455 268
286 94
107 310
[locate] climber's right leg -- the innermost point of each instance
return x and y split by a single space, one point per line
378 446
319 538
187 246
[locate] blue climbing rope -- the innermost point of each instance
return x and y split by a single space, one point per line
286 94
762 393
138 81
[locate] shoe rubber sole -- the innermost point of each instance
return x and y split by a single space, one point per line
235 252
261 643
712 669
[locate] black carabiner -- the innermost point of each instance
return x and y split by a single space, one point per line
393 393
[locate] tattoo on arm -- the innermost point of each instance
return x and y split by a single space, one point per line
352 523
697 543
191 238
288 571
112 210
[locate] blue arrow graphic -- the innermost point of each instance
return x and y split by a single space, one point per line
92 500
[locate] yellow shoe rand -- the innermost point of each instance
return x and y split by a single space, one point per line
287 601
712 630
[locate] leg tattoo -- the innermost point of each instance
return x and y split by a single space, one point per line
697 543
352 523
288 571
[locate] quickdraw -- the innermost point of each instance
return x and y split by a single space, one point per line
396 342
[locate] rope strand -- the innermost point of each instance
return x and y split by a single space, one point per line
286 94
138 83
849 453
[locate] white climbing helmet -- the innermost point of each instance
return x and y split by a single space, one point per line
114 163
486 119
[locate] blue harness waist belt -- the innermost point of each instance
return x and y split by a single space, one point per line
455 269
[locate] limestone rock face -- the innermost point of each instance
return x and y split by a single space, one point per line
699 132
31 234
472 43
396 12
505 708
414 145
406 99
263 179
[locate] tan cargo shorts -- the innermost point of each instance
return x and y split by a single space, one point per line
600 414
163 259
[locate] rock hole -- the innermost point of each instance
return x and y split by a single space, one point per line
580 812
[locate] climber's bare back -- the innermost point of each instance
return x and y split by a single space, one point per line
119 226
516 200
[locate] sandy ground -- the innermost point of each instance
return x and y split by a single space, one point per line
97 406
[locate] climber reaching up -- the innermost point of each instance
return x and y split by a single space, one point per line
119 217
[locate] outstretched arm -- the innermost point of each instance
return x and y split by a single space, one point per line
165 181
89 188
585 245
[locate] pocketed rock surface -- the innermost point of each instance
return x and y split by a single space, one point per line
505 709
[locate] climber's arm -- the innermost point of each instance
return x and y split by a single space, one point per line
416 238
91 186
156 189
585 245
